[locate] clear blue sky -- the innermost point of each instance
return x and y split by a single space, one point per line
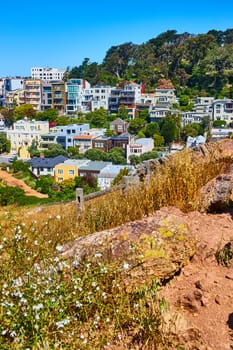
61 33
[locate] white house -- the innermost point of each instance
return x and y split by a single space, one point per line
24 132
108 174
140 146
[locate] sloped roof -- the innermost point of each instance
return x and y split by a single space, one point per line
38 162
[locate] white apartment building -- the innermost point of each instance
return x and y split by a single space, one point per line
24 132
223 110
140 146
47 74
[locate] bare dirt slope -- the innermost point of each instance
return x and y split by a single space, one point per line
202 294
12 181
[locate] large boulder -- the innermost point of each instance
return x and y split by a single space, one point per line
216 195
156 247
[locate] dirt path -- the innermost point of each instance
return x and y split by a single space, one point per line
12 181
202 294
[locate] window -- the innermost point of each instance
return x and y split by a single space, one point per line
60 179
71 172
60 171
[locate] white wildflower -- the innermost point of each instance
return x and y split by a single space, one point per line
59 247
125 266
62 323
58 217
37 307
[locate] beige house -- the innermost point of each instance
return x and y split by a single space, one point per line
24 132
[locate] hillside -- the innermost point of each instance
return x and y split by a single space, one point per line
200 62
131 271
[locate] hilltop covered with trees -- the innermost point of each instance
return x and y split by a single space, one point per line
202 63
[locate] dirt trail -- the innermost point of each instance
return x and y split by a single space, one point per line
12 181
203 293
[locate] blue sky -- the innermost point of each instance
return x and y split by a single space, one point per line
61 33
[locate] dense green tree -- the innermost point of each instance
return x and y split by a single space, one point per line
25 110
116 156
151 129
44 184
94 154
158 140
135 125
8 116
49 114
5 144
54 150
169 129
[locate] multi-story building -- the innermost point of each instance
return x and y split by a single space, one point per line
68 169
47 74
84 141
119 126
223 110
14 98
11 84
124 98
74 92
65 137
46 96
24 132
33 93
103 143
59 96
165 92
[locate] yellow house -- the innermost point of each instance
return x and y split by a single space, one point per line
68 169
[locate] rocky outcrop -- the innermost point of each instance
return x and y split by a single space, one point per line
155 247
216 195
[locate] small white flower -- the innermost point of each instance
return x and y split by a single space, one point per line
4 332
58 217
36 242
98 255
94 284
125 266
1 246
37 307
12 334
59 248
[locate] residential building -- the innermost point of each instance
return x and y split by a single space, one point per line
160 110
74 95
83 142
124 98
24 132
92 168
122 141
46 96
33 93
195 141
108 174
119 126
103 143
47 74
11 84
219 134
59 96
139 146
46 140
65 137
14 98
165 92
223 110
41 166
68 169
